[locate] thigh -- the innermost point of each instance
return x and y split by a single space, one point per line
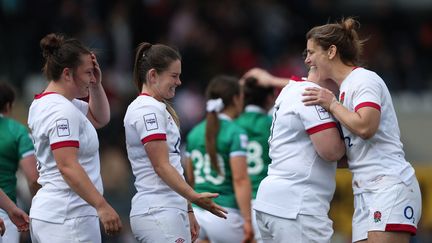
392 213
202 218
396 209
255 224
42 231
274 229
228 230
11 234
388 237
318 229
360 218
219 230
86 229
161 225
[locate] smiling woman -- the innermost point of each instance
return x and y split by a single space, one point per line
161 210
66 147
384 183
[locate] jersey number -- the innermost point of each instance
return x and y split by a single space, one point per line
254 158
202 168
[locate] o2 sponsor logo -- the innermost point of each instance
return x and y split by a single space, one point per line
409 213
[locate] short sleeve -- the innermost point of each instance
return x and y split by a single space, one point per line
25 144
64 128
367 94
315 118
239 143
152 124
81 105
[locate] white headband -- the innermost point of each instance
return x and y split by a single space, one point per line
215 105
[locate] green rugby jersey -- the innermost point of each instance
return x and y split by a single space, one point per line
231 140
257 124
15 144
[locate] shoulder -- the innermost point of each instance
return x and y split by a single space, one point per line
365 75
14 126
232 127
144 104
197 132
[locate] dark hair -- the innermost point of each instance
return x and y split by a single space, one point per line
156 56
59 53
150 56
343 35
224 87
254 94
7 95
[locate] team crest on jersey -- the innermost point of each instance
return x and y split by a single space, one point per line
180 240
342 98
377 216
62 126
150 121
322 113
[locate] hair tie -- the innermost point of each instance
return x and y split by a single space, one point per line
145 51
215 105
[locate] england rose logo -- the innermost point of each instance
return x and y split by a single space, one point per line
377 216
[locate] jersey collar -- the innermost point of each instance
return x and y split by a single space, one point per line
223 116
38 96
254 108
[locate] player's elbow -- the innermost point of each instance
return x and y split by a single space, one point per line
330 156
366 133
332 153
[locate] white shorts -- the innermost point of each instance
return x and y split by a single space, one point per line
255 224
11 234
82 229
303 229
219 230
161 225
392 208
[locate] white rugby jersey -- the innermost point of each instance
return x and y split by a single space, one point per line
299 180
381 155
146 120
56 122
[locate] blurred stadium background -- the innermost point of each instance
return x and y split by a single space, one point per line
225 36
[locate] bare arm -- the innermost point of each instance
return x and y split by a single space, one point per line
242 189
190 177
265 78
364 122
16 215
157 152
28 167
76 177
328 144
99 110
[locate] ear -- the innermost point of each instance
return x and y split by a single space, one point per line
67 74
331 52
152 76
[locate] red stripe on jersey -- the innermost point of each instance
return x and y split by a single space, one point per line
145 94
38 96
321 127
158 136
63 144
368 104
401 228
296 78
